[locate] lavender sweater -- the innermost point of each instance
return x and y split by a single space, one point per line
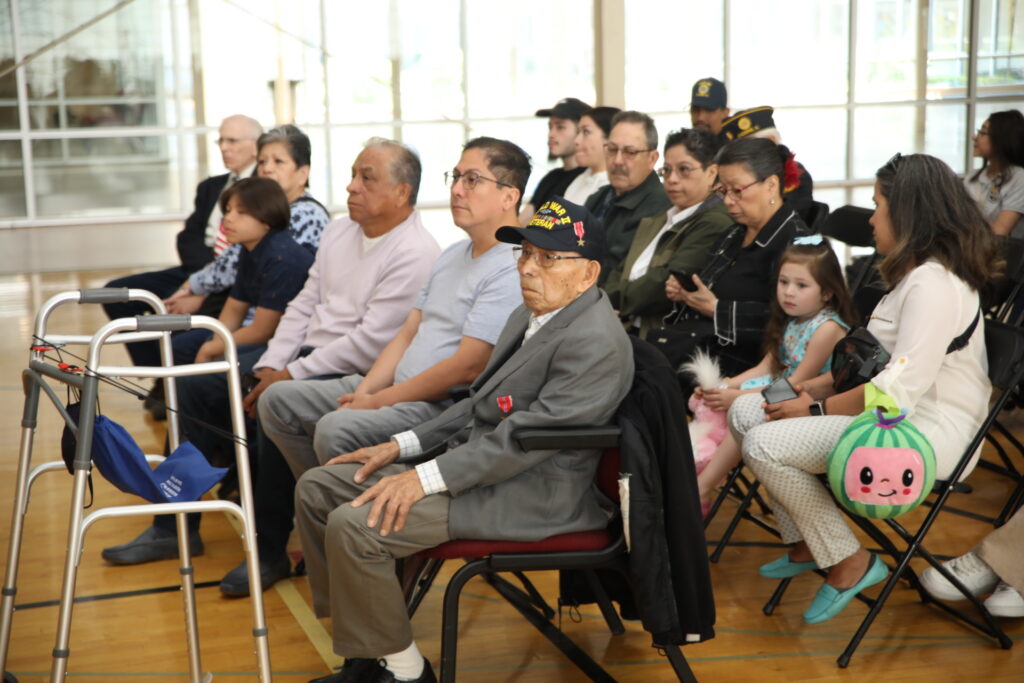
353 302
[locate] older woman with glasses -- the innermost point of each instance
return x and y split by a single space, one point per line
998 186
679 240
728 301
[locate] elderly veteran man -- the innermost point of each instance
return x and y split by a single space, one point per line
562 359
634 191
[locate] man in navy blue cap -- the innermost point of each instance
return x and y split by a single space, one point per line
562 359
709 105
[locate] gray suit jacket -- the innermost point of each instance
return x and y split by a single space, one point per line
574 371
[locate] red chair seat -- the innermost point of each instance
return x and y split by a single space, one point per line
581 540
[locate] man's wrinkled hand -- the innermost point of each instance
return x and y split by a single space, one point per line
392 498
372 458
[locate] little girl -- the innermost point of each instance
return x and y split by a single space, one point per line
812 311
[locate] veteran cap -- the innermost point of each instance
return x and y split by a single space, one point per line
747 122
560 225
567 108
709 93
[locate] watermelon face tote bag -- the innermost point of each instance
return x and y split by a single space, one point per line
882 466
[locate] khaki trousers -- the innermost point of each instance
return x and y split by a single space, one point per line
1003 550
352 567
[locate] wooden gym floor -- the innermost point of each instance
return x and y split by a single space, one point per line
129 623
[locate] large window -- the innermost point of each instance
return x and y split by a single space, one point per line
852 81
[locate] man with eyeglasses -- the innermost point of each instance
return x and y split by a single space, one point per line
563 125
634 191
562 359
445 341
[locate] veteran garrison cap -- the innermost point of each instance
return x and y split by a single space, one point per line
567 108
560 225
709 93
747 122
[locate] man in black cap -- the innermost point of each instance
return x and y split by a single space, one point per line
708 101
563 124
562 359
798 186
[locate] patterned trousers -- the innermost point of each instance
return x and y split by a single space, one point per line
786 455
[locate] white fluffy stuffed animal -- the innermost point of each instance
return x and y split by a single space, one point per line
708 427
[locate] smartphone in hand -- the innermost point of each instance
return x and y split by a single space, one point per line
778 391
685 278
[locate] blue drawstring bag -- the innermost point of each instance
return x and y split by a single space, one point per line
184 476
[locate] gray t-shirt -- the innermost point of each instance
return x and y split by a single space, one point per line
992 200
464 297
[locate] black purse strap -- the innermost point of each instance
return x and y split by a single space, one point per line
961 341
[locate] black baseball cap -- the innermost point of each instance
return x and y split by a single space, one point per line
709 93
560 225
568 108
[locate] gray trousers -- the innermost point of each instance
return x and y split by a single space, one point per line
786 455
301 417
1003 550
352 567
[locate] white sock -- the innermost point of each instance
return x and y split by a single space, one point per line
406 665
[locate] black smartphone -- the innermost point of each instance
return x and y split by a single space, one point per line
779 390
685 278
248 382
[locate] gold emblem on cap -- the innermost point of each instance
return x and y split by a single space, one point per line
703 87
744 123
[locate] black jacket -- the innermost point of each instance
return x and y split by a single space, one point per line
668 559
669 579
192 249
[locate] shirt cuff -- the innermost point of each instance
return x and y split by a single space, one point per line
195 285
430 477
408 444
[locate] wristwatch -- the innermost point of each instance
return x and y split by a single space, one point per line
817 408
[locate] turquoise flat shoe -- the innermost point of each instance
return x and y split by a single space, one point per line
831 601
784 568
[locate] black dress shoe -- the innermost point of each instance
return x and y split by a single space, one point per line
355 669
152 544
372 671
154 402
235 583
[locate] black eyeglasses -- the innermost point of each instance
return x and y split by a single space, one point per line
894 163
469 180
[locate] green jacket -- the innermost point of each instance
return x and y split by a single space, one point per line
622 217
684 246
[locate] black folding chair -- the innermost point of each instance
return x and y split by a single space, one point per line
1005 346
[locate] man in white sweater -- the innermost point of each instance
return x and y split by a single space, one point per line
361 287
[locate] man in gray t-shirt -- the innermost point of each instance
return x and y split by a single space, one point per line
446 340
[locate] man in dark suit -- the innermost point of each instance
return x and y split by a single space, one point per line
237 143
562 359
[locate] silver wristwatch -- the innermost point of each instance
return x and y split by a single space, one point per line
816 408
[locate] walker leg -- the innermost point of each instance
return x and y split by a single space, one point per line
61 652
188 594
10 587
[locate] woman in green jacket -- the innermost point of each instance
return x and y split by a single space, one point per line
678 240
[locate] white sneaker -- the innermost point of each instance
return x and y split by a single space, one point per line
1005 602
969 569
